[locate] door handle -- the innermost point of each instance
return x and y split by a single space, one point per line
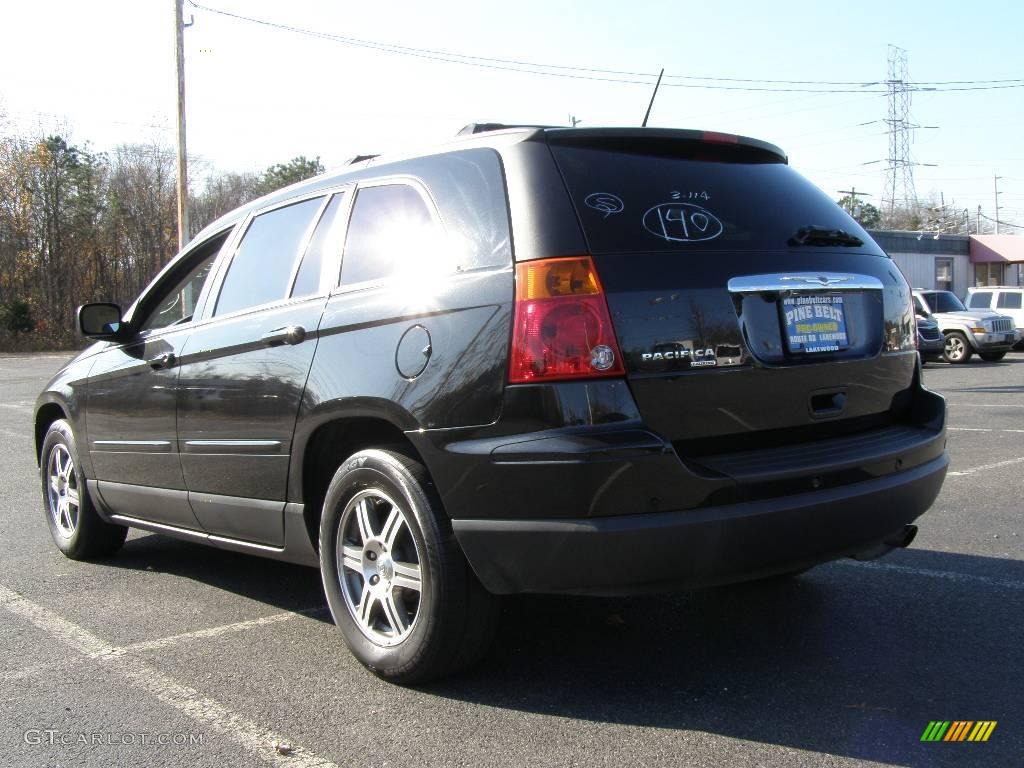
292 334
166 360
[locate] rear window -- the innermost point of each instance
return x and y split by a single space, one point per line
641 202
1009 301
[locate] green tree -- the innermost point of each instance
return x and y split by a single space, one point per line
16 317
867 215
282 174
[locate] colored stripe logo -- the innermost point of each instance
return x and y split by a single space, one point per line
958 730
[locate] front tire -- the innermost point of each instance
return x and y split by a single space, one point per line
991 357
957 349
76 528
399 588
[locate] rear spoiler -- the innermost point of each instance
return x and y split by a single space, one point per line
670 142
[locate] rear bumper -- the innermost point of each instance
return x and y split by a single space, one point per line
698 547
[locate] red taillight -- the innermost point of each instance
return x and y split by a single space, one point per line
562 327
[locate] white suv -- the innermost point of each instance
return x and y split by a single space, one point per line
966 331
1006 299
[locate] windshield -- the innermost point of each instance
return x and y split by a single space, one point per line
944 301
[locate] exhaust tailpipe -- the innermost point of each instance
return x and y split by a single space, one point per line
899 540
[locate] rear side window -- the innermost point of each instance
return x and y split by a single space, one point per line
260 271
980 300
323 243
1009 301
391 227
631 201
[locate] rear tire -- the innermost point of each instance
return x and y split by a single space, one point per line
957 349
991 357
399 588
76 528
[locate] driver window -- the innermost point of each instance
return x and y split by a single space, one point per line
178 304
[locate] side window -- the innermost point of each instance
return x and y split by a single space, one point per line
323 243
178 304
980 300
262 265
1009 300
389 226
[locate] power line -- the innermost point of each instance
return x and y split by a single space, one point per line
999 223
602 75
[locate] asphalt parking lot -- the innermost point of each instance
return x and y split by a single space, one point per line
173 654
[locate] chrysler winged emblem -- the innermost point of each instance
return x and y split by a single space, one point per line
823 280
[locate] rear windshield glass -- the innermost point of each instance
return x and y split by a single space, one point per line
639 202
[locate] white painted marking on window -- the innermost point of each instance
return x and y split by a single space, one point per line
966 578
983 467
211 714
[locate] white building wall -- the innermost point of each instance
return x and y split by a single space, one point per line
919 269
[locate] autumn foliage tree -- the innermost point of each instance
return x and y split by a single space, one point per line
78 226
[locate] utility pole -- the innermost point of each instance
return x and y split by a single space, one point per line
979 219
995 188
852 192
179 58
574 121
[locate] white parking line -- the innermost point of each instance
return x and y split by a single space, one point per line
224 629
947 575
955 404
210 713
982 429
983 467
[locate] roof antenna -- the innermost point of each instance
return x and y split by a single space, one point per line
644 123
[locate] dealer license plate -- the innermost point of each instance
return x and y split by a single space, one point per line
814 322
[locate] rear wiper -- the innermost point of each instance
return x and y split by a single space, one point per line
813 235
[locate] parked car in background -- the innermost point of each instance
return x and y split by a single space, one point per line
1005 299
930 342
583 361
966 332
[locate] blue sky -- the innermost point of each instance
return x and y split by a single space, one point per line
257 95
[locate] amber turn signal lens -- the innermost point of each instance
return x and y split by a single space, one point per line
550 278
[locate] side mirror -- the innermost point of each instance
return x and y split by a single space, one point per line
100 321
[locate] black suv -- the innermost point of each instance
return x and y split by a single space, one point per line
595 361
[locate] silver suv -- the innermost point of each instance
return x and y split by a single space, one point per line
1006 299
966 331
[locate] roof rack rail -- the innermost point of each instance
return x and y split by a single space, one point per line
485 127
359 158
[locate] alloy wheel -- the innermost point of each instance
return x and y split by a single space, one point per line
379 567
955 348
62 493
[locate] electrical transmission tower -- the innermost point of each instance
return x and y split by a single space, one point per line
899 173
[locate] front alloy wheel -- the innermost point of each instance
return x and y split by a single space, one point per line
76 527
62 495
957 349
